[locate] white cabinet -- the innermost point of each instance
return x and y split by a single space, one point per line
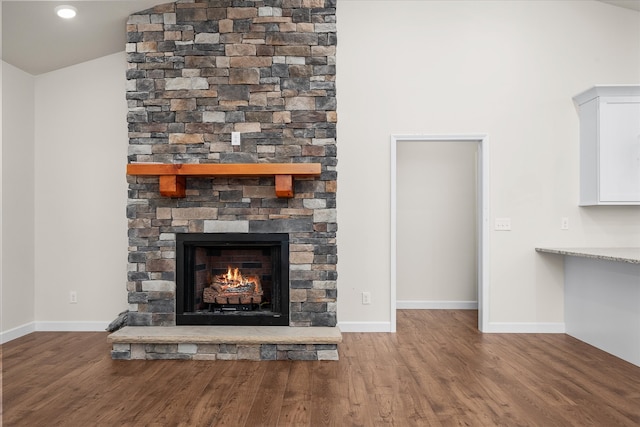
609 145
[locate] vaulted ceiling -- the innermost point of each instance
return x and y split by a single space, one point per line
35 40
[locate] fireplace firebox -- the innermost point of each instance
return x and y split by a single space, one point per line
232 279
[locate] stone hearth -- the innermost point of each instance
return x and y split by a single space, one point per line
213 343
198 71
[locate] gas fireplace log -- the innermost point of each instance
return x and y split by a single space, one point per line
220 292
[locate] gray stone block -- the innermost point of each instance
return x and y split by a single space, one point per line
268 352
302 355
281 225
138 319
121 355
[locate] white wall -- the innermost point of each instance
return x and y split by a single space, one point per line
507 69
17 202
80 186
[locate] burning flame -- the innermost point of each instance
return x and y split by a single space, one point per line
234 278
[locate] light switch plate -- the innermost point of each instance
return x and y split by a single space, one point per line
235 138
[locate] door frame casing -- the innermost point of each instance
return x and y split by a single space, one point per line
482 182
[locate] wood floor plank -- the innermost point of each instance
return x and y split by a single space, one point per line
437 370
296 402
239 399
266 407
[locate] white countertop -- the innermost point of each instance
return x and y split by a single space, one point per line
630 255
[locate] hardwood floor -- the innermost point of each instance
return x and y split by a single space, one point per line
437 370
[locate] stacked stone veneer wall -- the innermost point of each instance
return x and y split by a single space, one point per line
197 351
198 71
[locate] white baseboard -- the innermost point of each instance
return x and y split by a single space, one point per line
68 326
17 332
437 305
525 328
71 326
364 326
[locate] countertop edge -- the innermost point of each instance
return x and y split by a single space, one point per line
632 257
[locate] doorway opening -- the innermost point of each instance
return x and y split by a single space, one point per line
481 209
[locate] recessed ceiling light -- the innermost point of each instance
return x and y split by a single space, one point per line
66 12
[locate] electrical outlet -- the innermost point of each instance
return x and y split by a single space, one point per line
73 297
564 223
503 224
366 298
235 138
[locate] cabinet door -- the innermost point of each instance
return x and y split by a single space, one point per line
619 150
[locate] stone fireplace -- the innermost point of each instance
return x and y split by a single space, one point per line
200 73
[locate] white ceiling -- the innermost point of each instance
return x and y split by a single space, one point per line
35 40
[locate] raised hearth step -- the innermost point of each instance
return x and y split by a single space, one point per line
227 335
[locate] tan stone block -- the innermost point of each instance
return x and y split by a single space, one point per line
288 27
147 46
313 150
188 104
249 76
305 27
266 149
323 267
247 127
232 38
233 103
300 51
300 103
196 226
240 49
163 213
272 19
249 352
258 191
207 38
318 295
301 247
242 12
213 116
258 99
313 3
208 348
302 71
158 286
298 295
194 213
173 35
191 72
227 356
161 265
186 138
332 116
301 257
282 117
328 355
250 61
138 352
323 50
191 61
150 27
204 356
225 25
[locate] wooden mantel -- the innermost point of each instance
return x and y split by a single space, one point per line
173 176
